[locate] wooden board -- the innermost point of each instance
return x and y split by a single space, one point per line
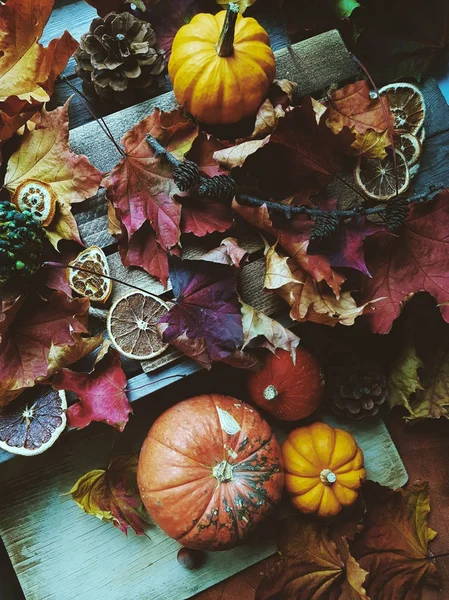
59 553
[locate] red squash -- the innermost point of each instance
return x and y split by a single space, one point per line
286 390
209 471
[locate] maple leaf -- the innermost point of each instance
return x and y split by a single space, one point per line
201 215
166 18
45 155
403 379
300 156
293 236
259 330
370 119
415 259
206 308
112 494
27 69
30 330
303 294
393 545
315 565
102 392
228 253
60 357
141 185
145 252
397 40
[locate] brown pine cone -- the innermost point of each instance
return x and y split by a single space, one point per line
119 59
358 390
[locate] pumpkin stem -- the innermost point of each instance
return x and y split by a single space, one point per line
270 393
225 44
223 471
327 477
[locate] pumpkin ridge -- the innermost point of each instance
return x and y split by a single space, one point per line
173 487
261 494
181 453
196 522
348 459
265 443
234 450
312 464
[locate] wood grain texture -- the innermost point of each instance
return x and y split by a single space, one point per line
59 552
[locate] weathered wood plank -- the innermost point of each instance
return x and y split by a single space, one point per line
308 63
36 538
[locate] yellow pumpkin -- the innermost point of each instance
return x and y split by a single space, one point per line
221 66
323 469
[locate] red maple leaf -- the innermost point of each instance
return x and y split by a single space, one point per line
141 185
413 260
102 392
201 215
29 328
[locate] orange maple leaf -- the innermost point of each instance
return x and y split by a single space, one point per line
45 155
27 69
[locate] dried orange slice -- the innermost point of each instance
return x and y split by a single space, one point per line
410 146
38 198
377 177
132 325
407 105
34 421
90 285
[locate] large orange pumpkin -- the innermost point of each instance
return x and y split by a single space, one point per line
288 390
221 66
209 471
324 469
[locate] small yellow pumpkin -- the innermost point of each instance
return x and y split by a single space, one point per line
323 469
221 66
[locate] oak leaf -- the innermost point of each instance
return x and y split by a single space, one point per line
112 494
27 69
206 308
45 155
101 393
370 119
414 259
32 330
141 185
260 330
393 545
315 565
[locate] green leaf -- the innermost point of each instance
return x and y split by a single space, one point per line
404 379
344 8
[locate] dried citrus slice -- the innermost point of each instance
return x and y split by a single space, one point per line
34 421
410 146
407 105
90 285
377 177
132 325
38 198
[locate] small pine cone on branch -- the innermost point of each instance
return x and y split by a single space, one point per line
357 390
119 60
186 175
325 225
396 211
220 187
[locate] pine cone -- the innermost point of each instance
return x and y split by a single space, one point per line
358 390
186 175
396 212
118 59
220 187
324 226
